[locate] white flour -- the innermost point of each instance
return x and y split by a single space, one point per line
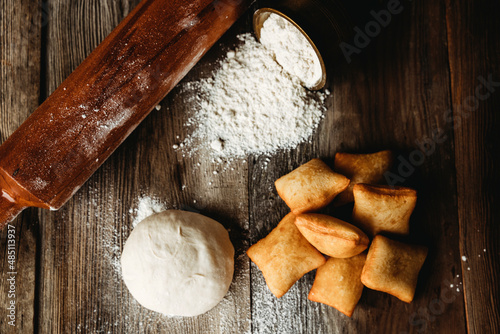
291 49
251 106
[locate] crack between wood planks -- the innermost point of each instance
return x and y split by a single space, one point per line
38 272
44 63
42 96
248 236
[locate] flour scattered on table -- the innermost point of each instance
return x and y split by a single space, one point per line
251 106
147 206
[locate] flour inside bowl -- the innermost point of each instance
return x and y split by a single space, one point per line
291 49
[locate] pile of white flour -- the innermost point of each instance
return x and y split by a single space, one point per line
291 49
251 105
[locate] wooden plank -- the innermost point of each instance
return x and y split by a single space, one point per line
80 284
390 96
20 45
474 60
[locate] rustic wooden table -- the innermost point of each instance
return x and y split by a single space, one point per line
427 70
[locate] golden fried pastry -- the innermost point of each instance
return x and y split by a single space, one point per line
338 283
383 208
284 256
310 187
332 236
392 266
361 168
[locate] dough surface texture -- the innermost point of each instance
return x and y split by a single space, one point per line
178 263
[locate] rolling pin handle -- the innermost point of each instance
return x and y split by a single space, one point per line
9 208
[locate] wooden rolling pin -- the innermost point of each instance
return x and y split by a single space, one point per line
76 129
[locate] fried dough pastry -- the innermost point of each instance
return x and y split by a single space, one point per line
383 209
392 267
361 168
284 256
338 283
332 236
310 187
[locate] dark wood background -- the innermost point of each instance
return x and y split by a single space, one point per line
419 75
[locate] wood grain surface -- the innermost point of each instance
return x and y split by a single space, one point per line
414 81
475 94
20 70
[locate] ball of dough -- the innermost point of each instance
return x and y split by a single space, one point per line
178 263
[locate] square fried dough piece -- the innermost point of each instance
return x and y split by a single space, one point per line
392 266
332 236
361 168
284 256
310 187
383 208
338 283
